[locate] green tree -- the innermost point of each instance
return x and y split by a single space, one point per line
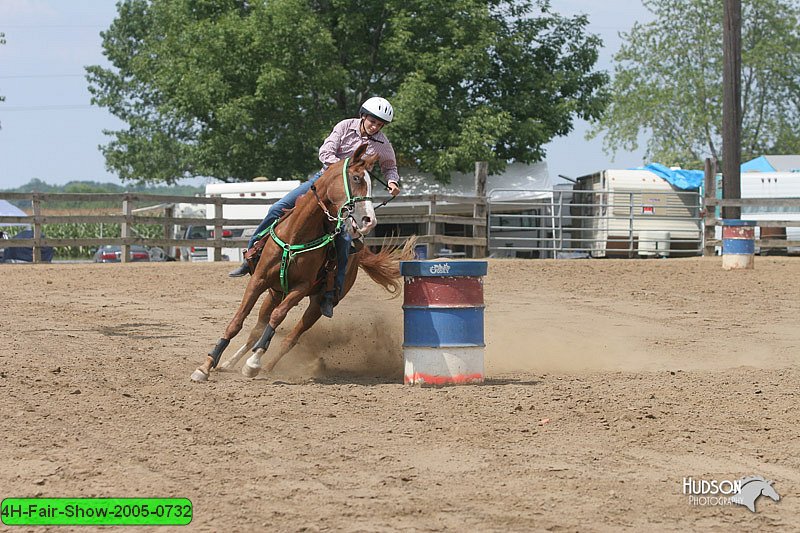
668 82
236 89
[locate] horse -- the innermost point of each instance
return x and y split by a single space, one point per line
288 273
752 488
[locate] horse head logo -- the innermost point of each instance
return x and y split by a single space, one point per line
752 488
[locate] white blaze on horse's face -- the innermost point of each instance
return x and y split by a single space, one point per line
364 219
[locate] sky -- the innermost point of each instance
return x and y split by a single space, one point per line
50 131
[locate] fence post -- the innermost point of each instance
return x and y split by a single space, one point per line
125 231
709 193
431 230
631 216
169 229
217 229
479 210
36 205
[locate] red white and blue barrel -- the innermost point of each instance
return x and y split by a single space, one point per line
443 341
738 244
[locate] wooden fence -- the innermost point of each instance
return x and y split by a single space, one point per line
433 218
430 212
712 221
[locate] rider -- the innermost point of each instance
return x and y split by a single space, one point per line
346 136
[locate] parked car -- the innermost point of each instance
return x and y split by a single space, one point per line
195 253
112 253
200 253
3 236
22 254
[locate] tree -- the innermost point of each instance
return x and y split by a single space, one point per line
236 89
668 82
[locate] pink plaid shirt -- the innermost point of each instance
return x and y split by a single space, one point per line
346 137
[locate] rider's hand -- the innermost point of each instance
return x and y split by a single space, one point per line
394 189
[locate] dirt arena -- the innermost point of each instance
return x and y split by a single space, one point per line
609 382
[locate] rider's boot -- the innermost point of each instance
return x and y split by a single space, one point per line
326 304
240 271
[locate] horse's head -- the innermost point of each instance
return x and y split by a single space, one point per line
350 191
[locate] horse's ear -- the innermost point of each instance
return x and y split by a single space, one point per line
370 161
359 153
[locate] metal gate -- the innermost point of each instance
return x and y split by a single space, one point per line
570 223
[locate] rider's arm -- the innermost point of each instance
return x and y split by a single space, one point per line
329 148
388 163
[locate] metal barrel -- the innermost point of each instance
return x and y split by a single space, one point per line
738 244
443 341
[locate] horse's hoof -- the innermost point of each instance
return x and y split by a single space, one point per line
225 366
249 371
198 376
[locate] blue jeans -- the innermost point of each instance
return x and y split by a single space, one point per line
276 209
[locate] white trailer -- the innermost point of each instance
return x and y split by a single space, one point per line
269 191
635 212
772 185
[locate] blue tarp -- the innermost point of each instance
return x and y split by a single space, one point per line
687 180
759 164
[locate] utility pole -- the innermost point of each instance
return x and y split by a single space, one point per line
732 106
479 210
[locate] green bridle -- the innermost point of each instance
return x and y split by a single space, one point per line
291 250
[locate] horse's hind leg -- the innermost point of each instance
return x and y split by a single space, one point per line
309 318
253 364
263 319
230 363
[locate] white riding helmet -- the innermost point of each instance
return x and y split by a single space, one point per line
379 108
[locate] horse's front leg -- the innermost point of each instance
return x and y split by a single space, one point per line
254 290
252 366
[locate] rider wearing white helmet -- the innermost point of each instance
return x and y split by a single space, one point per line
379 108
346 136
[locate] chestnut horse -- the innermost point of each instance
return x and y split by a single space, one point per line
340 200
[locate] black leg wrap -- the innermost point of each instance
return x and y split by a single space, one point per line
263 342
216 353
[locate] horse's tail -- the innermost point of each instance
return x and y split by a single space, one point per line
384 267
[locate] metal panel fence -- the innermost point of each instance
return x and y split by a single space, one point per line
597 223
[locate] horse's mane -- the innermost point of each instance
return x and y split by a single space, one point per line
750 479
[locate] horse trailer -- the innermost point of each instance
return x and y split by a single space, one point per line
627 213
269 191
